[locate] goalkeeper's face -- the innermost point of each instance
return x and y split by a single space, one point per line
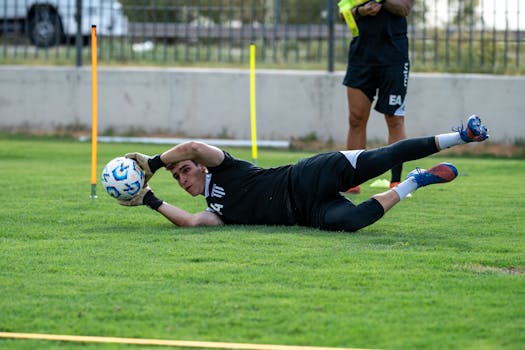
190 176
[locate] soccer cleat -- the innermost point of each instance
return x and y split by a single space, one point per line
475 131
443 172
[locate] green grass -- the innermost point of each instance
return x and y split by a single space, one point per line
444 269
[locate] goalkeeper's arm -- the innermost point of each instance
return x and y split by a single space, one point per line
182 218
176 215
199 152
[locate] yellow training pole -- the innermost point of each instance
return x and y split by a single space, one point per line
94 114
252 103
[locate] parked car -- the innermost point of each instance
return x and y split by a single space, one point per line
49 22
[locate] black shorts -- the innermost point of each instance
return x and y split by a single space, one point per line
390 83
317 183
318 180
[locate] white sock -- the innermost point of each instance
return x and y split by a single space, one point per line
406 187
449 140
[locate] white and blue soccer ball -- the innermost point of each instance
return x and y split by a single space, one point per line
122 178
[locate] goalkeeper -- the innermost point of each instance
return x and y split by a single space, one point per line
306 194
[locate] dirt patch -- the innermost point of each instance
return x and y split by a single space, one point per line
494 269
473 149
488 148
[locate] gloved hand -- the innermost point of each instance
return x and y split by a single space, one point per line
149 164
144 197
138 199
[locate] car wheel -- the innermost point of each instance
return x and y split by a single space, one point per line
45 27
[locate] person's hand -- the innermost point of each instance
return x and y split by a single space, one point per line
143 162
371 8
138 199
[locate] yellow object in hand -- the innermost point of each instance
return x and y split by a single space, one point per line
345 8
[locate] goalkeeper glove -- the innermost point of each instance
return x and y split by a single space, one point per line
144 197
149 164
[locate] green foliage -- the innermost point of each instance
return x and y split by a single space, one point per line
459 11
442 54
442 270
222 11
475 52
217 34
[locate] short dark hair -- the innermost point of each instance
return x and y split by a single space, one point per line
170 166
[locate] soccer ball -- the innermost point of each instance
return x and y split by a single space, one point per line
122 178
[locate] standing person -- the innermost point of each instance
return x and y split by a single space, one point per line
378 63
306 193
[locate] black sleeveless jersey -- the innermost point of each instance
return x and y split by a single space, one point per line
382 40
242 193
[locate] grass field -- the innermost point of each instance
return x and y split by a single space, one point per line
444 269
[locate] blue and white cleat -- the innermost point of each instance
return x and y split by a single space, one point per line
443 172
475 131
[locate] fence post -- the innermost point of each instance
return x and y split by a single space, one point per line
78 38
331 36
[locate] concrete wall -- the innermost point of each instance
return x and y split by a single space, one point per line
211 103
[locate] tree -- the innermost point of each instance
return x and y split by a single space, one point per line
445 12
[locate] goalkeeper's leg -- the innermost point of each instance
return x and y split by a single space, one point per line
374 162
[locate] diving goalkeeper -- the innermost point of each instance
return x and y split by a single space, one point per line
306 193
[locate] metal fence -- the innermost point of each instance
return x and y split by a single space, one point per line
445 35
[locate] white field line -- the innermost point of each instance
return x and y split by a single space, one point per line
174 141
160 342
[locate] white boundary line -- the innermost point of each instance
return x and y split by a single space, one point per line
160 342
164 140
